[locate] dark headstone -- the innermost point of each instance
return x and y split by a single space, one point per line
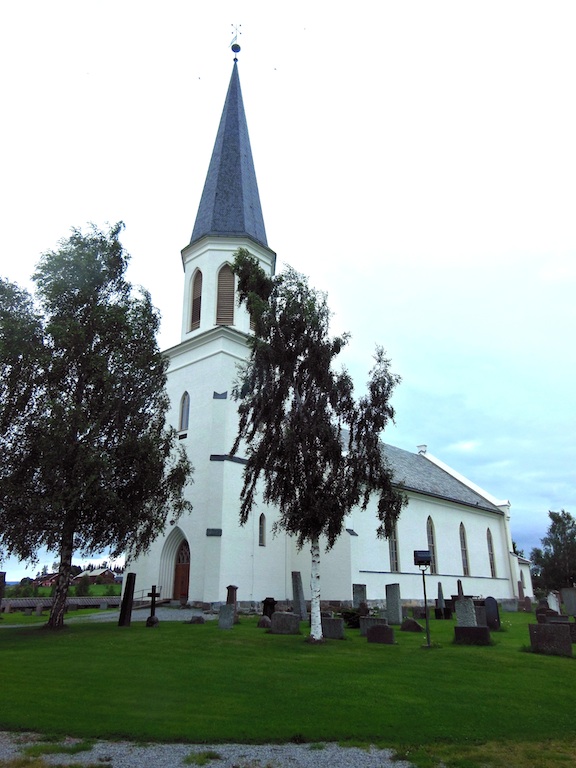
572 627
472 635
527 605
40 608
298 596
569 600
152 621
196 620
358 595
231 599
480 611
380 633
520 591
333 629
440 603
552 639
363 609
285 623
127 600
411 625
2 587
460 589
265 622
226 616
370 621
556 619
268 607
492 614
27 611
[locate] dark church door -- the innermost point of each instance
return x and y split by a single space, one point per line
182 573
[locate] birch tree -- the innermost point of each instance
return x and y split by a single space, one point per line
311 447
88 462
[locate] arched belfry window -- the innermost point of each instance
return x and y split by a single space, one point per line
490 544
262 530
431 545
184 412
196 301
393 550
225 298
464 551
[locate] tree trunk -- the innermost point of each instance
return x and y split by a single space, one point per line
315 617
56 620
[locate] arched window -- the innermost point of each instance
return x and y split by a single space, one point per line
393 549
184 412
491 553
522 580
464 550
262 530
196 301
431 545
225 299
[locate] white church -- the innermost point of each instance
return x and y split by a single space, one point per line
465 528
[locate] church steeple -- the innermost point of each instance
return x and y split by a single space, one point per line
230 203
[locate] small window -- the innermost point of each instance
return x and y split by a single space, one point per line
262 530
225 299
184 412
491 553
431 545
393 549
196 301
464 551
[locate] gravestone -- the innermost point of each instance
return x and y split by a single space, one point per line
480 611
265 622
231 594
380 633
411 625
492 614
2 587
527 605
370 621
465 612
440 610
127 601
284 623
553 601
226 616
569 600
333 629
552 639
268 607
465 635
298 596
393 604
520 591
460 590
358 595
152 620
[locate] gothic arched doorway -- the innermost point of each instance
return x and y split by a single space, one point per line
182 572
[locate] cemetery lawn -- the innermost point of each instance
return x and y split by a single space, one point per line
468 706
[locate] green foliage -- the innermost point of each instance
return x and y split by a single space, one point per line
315 447
88 462
554 565
82 588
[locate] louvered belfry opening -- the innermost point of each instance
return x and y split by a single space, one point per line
225 301
196 301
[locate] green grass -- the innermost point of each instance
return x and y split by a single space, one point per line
196 683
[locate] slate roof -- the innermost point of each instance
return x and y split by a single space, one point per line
417 473
230 203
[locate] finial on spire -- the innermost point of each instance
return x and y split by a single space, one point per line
234 44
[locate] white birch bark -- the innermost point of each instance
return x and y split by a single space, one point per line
315 617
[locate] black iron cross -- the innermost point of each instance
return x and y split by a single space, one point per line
153 595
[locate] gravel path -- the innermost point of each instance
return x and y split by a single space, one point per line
122 754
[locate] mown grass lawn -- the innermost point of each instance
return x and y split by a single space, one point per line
196 683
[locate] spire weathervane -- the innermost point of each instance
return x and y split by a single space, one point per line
236 31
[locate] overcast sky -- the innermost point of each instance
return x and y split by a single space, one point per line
416 160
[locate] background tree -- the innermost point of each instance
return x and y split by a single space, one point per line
88 462
315 447
554 564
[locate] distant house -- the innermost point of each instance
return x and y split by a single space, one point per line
47 580
97 576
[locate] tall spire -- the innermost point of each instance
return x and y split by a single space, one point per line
230 203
